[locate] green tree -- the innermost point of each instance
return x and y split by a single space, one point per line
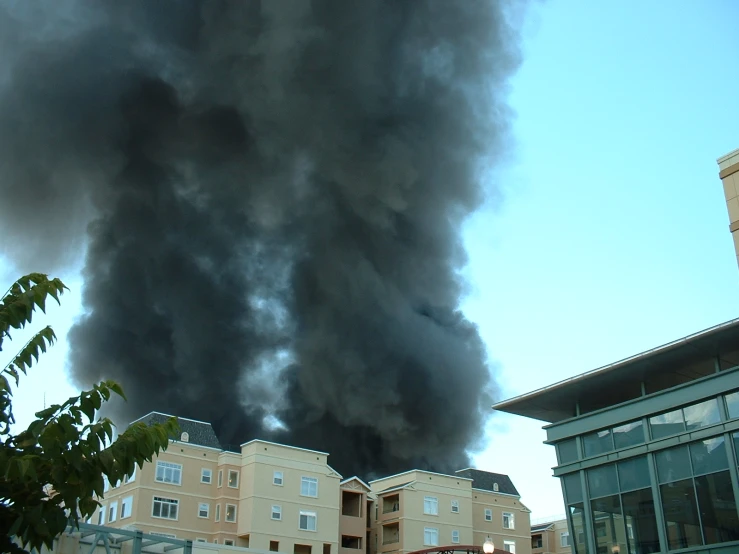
52 472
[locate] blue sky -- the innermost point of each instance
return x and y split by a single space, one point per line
612 236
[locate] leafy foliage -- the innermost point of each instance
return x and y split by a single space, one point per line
51 473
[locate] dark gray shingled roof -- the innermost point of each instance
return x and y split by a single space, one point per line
484 480
199 432
541 527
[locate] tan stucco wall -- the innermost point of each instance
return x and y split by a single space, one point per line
729 175
500 503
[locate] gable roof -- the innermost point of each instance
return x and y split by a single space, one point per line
485 480
358 480
200 433
541 527
396 487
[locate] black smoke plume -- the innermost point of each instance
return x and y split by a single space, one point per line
270 196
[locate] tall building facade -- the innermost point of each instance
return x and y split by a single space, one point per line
277 498
648 447
729 174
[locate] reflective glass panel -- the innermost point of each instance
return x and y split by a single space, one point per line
610 531
633 474
573 487
717 507
629 434
736 446
596 443
709 456
681 514
578 543
567 451
673 464
732 404
664 425
641 525
602 481
700 415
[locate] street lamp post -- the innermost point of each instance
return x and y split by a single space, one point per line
488 547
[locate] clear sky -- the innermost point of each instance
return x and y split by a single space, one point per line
612 234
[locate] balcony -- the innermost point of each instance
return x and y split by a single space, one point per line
391 503
391 533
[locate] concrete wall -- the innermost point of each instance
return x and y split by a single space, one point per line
729 175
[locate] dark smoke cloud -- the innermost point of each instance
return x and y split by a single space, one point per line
270 195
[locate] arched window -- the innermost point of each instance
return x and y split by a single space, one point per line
185 437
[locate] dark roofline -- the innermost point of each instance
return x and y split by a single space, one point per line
535 404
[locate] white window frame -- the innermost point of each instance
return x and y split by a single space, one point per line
206 476
496 488
228 542
106 484
430 506
220 478
113 512
306 485
564 539
127 502
165 502
511 520
225 516
430 532
218 513
278 478
168 535
308 516
200 510
455 506
132 478
455 536
171 468
277 510
509 546
488 514
102 514
233 472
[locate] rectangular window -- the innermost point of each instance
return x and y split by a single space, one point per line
101 515
276 512
200 540
231 513
274 546
431 505
709 456
455 506
228 542
717 507
168 472
129 478
488 514
113 512
220 478
508 521
628 434
203 509
638 512
509 546
673 464
633 474
206 476
602 480
165 508
278 478
218 512
307 521
567 451
309 486
233 479
455 536
732 404
106 484
596 443
126 507
681 514
701 415
667 424
430 536
564 539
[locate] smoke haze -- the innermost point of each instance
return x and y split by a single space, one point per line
270 195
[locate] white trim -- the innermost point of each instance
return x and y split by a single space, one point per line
282 478
170 415
425 473
207 510
236 514
355 478
308 514
398 488
164 465
172 501
277 511
283 445
238 479
336 472
310 480
210 476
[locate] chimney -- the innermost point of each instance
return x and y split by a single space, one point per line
728 167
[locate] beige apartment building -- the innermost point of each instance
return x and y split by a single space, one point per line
729 175
277 498
551 538
417 510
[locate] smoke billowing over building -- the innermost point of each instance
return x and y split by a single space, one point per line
269 196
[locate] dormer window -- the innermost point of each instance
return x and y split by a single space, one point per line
495 487
185 437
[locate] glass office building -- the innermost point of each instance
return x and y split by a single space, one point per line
648 447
